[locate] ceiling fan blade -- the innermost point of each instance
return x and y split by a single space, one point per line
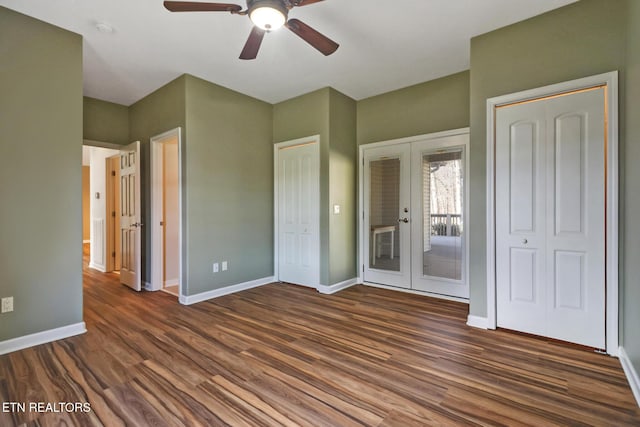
253 43
311 36
193 6
305 2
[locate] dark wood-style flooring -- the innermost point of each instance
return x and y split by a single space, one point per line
287 355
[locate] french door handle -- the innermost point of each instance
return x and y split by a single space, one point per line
405 220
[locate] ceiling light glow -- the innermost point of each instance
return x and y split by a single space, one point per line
268 17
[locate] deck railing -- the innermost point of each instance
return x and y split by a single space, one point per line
446 224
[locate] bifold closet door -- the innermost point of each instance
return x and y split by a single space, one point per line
550 217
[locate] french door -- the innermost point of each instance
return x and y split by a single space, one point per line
387 195
414 215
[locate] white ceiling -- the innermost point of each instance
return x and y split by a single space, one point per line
383 45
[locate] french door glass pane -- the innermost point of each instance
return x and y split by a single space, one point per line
442 189
384 205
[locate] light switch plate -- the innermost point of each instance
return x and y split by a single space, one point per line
336 209
224 265
216 267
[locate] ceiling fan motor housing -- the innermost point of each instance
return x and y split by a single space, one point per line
278 5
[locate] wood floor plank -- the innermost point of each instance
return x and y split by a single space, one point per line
251 402
89 387
287 355
133 407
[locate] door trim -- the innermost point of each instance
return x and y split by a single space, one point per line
156 210
610 82
314 139
361 202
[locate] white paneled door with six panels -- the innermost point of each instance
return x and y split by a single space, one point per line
130 219
298 214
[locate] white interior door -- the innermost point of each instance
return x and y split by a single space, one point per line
298 169
130 225
438 229
387 216
550 217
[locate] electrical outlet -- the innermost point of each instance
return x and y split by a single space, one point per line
7 304
224 265
216 267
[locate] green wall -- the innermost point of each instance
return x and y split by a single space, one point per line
343 161
630 239
229 196
578 40
303 116
40 175
433 106
105 121
332 115
156 113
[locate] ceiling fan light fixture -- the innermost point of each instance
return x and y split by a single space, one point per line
268 15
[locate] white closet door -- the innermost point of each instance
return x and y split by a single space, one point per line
550 221
520 218
576 218
298 214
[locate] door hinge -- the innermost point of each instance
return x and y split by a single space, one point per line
113 214
113 254
363 268
113 173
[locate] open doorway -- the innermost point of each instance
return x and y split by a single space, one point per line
166 215
100 206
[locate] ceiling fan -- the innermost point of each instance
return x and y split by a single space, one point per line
266 15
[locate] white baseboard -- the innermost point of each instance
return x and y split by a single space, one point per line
478 322
98 267
631 373
215 293
43 337
336 287
171 282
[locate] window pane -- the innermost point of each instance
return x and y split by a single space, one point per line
442 183
384 205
